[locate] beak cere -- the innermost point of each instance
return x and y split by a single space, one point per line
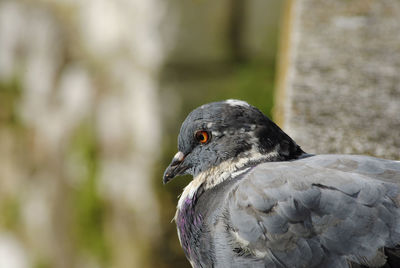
178 158
175 168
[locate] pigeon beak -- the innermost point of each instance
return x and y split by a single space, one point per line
175 168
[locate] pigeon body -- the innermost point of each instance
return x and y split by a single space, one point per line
258 200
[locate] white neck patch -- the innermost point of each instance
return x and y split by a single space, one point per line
226 170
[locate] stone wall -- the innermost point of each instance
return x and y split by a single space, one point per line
339 81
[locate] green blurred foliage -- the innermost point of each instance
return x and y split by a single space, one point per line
10 213
89 208
10 92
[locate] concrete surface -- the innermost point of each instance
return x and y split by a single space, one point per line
339 81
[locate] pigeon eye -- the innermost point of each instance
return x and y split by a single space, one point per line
202 136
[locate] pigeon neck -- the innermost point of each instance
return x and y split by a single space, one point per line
226 170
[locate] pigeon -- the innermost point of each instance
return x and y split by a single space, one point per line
258 200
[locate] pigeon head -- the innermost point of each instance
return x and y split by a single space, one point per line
228 131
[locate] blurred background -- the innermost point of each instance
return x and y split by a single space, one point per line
92 95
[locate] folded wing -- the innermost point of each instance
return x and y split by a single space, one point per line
321 211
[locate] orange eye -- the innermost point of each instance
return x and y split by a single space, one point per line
202 136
